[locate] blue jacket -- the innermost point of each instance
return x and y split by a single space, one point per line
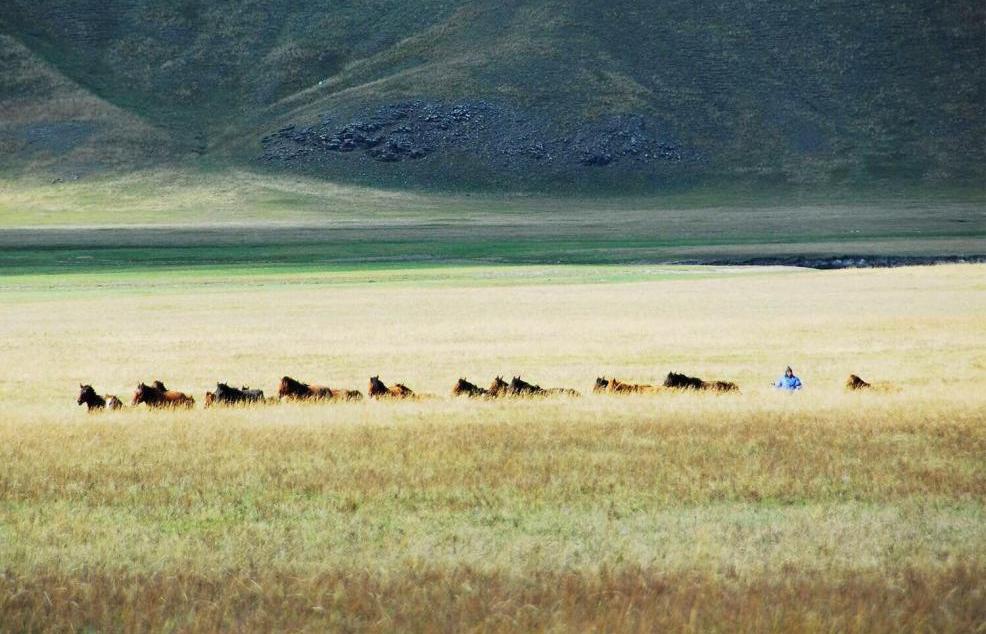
788 383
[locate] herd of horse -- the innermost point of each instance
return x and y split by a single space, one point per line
158 395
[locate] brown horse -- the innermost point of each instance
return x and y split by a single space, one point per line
347 395
158 396
854 383
378 389
95 402
465 388
677 381
210 398
615 386
296 390
499 387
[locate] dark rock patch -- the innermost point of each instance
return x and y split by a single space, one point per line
503 138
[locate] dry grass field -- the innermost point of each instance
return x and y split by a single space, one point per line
819 511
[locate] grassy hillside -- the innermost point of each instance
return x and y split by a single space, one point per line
821 94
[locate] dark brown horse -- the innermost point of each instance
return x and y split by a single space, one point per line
158 396
520 387
228 395
95 402
465 388
378 389
676 381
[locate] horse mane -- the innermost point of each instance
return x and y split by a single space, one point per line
159 385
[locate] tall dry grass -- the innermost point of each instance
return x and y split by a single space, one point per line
818 511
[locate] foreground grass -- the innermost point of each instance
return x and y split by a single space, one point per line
758 511
865 515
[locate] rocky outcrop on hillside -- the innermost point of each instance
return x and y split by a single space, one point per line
501 137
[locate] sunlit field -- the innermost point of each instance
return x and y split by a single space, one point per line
758 511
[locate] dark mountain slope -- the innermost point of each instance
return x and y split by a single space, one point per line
541 94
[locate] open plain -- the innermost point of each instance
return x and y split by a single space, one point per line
817 511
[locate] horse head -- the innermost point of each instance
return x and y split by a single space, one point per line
376 385
86 392
140 394
498 386
290 387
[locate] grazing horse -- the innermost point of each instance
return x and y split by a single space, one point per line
157 396
499 387
96 402
677 381
226 395
854 383
520 387
465 388
378 389
210 398
615 386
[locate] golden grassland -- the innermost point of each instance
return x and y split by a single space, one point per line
820 511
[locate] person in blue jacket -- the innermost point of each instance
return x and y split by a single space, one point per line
788 381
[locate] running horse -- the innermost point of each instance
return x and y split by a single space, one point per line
499 387
296 390
615 386
465 388
95 402
378 389
226 395
157 395
520 387
676 381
